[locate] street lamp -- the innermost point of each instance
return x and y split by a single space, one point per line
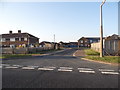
101 30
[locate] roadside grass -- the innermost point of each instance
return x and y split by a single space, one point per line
109 59
91 52
94 55
14 56
7 56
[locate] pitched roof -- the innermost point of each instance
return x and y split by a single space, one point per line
13 35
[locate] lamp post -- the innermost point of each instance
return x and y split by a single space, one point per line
101 30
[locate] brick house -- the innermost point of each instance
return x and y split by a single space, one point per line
86 41
18 39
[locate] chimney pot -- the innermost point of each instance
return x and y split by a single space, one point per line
19 31
10 32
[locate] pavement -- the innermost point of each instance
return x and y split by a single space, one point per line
58 70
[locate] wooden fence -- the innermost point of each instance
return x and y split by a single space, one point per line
24 50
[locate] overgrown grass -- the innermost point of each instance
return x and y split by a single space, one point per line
91 52
110 59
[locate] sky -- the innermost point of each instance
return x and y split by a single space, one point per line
69 21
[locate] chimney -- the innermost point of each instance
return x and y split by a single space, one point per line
19 31
10 32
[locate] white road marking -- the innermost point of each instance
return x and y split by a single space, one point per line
65 70
110 73
46 69
17 65
85 69
28 68
105 70
33 66
50 67
0 66
11 67
5 65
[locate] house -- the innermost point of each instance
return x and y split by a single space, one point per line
86 41
69 44
46 44
112 45
18 39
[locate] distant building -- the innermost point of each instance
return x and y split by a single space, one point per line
69 44
86 41
112 45
46 44
51 45
18 39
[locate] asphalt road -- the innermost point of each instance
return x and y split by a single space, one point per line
61 70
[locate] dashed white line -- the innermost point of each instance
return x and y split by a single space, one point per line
65 70
28 68
105 70
49 67
86 71
11 67
46 69
110 73
5 65
17 65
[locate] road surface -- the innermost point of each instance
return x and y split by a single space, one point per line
61 70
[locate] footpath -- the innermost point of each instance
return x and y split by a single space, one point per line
79 52
82 54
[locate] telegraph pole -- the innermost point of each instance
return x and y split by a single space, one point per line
101 30
54 38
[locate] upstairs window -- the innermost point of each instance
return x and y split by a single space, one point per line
12 39
7 39
2 39
22 39
81 41
25 39
16 39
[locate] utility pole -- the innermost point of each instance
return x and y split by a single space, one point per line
101 30
54 38
54 42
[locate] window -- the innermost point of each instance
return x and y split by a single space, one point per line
81 41
2 39
7 39
91 41
81 45
12 39
22 39
16 39
25 39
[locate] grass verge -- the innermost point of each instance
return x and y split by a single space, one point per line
91 52
14 56
109 59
